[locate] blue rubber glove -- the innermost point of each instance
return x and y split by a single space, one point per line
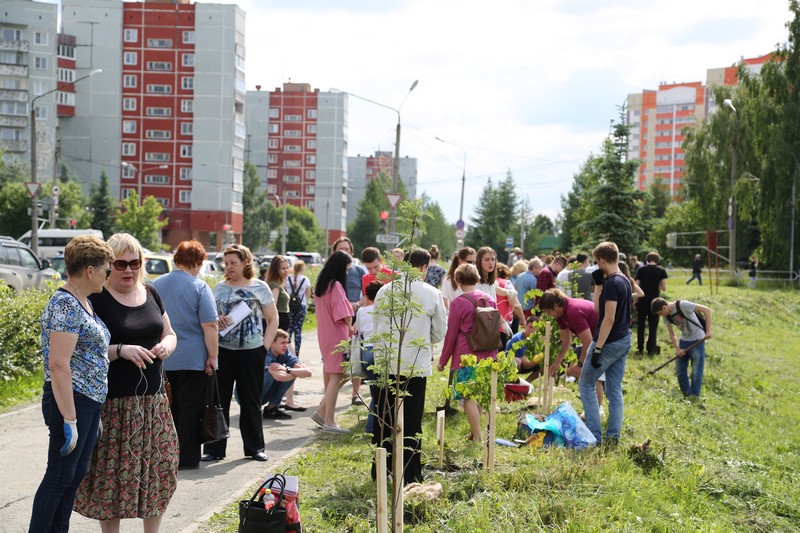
70 437
596 357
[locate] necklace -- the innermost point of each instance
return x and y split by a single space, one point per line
76 294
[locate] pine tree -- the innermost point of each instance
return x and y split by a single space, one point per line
104 208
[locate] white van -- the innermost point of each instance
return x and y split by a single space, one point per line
53 241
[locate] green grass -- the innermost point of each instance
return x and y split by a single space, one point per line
20 390
731 462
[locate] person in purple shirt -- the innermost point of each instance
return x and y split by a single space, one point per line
608 351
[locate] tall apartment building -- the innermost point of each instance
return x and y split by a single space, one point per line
361 169
658 117
297 139
166 116
30 67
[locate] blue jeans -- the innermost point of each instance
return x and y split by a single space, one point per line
612 362
697 356
52 505
273 391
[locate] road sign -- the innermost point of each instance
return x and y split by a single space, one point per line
460 233
390 238
33 187
509 243
393 199
56 190
459 224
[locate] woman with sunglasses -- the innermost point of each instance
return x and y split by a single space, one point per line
450 288
74 346
137 453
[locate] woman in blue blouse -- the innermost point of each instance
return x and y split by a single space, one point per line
74 350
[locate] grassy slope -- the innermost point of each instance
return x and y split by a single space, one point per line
732 463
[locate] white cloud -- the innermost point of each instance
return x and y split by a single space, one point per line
523 85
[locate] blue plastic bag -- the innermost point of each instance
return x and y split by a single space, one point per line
574 432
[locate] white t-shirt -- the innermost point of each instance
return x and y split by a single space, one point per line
301 283
448 292
690 329
365 323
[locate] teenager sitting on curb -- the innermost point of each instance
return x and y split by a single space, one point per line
281 368
691 331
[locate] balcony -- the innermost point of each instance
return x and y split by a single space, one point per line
13 146
17 46
14 70
14 122
13 95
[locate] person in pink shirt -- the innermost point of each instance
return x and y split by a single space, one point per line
334 325
459 325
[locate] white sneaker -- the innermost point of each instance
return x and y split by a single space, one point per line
335 429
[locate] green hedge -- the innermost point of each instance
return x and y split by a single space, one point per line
20 331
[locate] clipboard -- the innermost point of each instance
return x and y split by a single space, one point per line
237 314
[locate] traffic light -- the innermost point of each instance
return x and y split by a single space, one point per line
72 223
384 217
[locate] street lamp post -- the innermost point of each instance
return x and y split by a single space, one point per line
396 163
34 176
463 180
139 176
732 201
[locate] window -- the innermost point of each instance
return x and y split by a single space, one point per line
127 192
291 194
274 128
40 38
311 174
188 37
291 163
185 173
187 60
310 189
291 179
159 43
274 113
312 113
129 80
310 204
311 144
130 35
291 147
10 34
163 201
156 156
187 106
158 134
130 58
159 112
187 128
291 133
272 189
272 158
128 172
40 63
293 118
40 87
129 104
65 74
128 126
312 128
272 143
186 150
272 173
185 197
159 89
18 108
159 65
311 159
187 82
156 180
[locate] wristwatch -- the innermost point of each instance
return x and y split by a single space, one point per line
288 369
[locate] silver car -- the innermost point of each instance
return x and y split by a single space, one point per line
20 269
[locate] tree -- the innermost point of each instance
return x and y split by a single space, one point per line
305 233
104 208
258 211
439 231
142 221
366 226
14 200
72 204
613 204
496 216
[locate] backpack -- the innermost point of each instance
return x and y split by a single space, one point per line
699 320
485 332
295 302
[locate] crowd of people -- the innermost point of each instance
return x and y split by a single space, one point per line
113 344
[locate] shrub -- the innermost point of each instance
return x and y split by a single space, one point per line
20 331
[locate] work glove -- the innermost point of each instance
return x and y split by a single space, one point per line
596 357
597 277
70 437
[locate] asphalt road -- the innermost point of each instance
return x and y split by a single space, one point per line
200 493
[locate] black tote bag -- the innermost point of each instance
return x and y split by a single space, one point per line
253 518
213 426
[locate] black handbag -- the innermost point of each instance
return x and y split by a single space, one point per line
213 426
253 518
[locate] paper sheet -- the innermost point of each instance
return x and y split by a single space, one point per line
239 313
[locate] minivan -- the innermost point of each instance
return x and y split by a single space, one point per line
53 241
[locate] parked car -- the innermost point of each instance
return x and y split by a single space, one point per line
157 265
20 269
210 269
59 265
311 259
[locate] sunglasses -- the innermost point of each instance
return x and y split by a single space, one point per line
108 270
121 265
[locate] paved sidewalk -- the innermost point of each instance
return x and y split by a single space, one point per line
200 493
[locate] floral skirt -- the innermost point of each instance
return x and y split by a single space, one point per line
133 472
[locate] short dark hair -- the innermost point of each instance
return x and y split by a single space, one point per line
419 257
372 289
581 257
370 254
561 259
607 251
552 298
658 304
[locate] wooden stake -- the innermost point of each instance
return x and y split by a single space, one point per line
382 510
544 406
489 463
440 435
397 466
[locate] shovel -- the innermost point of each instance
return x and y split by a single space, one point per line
651 372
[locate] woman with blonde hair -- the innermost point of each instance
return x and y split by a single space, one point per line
138 451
